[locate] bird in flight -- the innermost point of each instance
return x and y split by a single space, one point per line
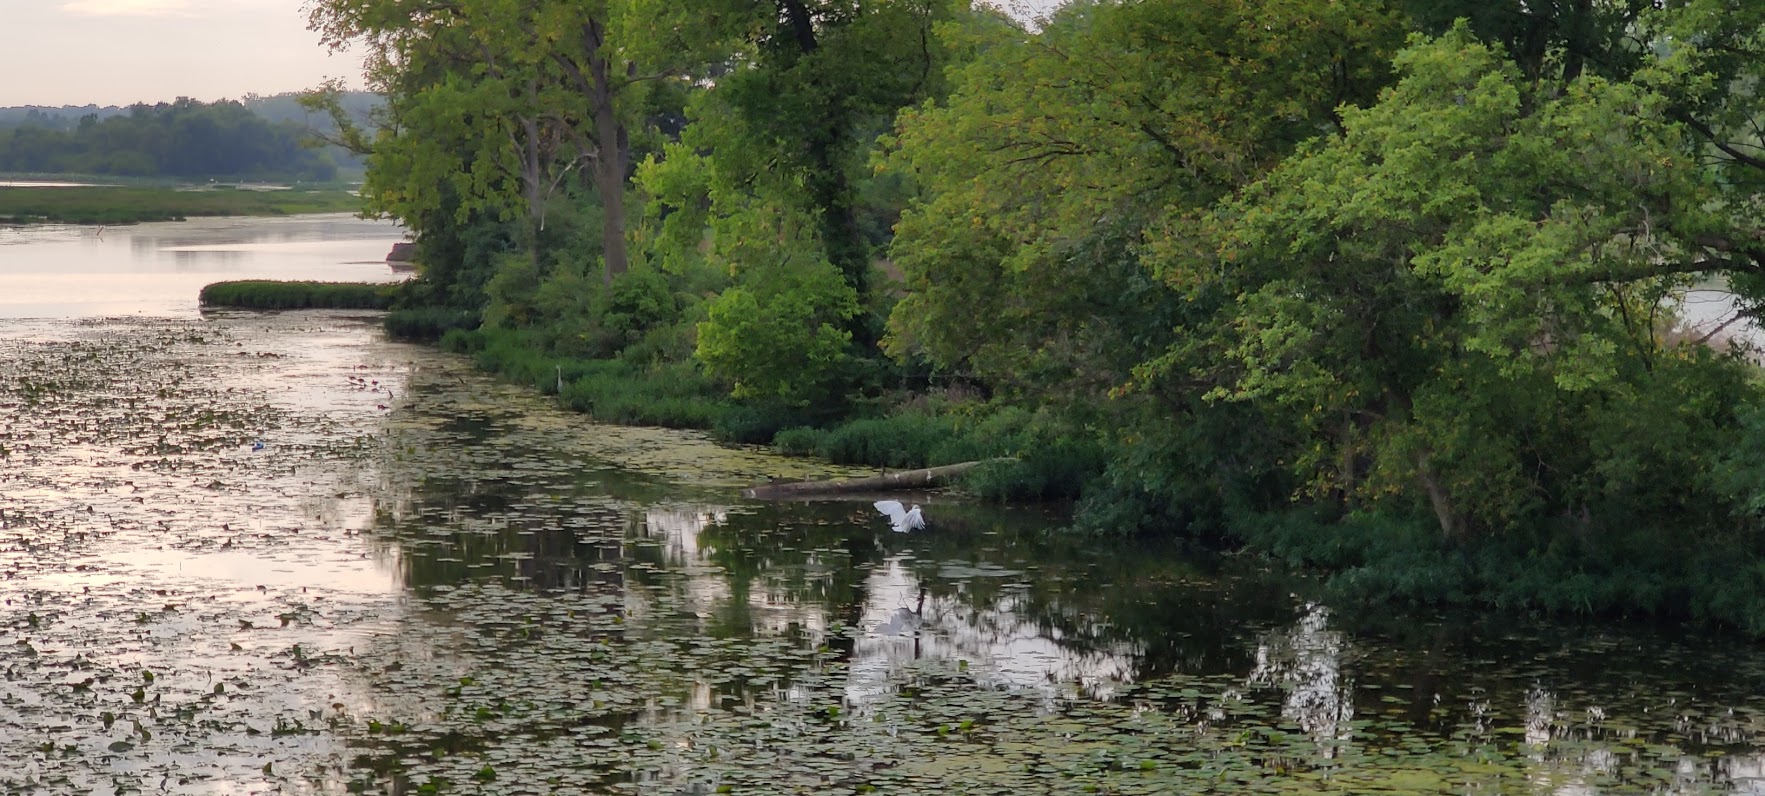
903 519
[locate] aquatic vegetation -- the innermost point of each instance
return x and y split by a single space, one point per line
474 591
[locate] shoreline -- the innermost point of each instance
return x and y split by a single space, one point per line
123 205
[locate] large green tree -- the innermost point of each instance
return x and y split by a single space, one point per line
1460 298
770 185
501 100
1061 152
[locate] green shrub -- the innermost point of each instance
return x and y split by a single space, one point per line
671 396
1058 469
781 337
461 341
902 442
799 441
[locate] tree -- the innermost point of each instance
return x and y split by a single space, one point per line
1437 297
798 94
1060 153
185 139
501 98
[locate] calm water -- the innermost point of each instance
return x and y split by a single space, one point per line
57 271
427 580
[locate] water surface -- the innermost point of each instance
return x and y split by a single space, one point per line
156 269
426 581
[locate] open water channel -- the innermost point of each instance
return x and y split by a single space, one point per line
426 581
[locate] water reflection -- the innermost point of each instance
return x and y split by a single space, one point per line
1004 643
593 609
1305 662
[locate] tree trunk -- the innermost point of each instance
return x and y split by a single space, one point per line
1450 525
610 154
532 177
906 479
802 26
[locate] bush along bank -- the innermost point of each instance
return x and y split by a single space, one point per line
1039 463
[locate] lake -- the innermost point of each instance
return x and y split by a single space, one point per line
156 269
275 552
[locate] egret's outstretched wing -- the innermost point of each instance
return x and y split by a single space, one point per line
892 509
899 517
913 521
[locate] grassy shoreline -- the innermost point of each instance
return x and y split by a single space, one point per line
136 204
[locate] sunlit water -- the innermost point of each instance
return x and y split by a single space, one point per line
59 271
426 578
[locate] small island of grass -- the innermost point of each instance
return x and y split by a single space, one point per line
272 295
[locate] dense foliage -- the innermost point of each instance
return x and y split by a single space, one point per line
185 139
1396 289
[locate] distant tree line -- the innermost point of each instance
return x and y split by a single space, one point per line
66 117
186 139
284 107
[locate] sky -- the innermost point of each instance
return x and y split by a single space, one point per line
119 52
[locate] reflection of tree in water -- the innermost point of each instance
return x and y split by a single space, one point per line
721 590
984 585
799 568
904 621
531 529
1305 662
786 568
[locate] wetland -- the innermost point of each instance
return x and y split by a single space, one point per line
424 580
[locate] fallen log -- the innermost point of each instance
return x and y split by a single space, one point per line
887 482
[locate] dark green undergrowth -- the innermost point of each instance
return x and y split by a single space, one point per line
428 324
273 295
1576 568
1036 456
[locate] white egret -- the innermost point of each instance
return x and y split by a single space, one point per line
903 519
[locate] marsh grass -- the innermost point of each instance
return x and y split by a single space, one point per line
667 394
273 295
135 204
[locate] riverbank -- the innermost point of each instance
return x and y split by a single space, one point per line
133 204
1609 563
1031 457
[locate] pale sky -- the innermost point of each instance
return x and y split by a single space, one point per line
119 52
